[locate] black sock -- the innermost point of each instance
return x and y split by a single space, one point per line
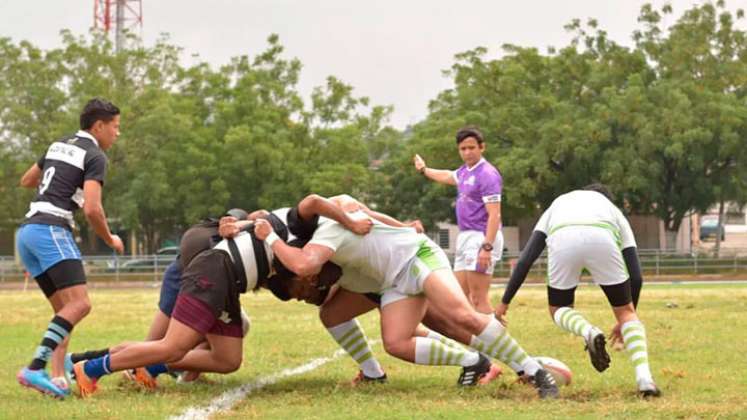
57 330
88 355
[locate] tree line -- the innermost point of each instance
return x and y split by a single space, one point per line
662 122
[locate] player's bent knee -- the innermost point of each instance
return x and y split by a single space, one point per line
396 348
78 309
231 365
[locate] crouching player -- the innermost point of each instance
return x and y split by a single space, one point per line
583 229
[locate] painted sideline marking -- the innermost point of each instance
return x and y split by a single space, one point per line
231 397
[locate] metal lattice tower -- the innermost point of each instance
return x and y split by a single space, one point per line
119 14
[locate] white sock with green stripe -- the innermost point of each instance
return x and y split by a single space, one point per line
429 351
453 343
350 336
446 340
572 321
634 337
496 342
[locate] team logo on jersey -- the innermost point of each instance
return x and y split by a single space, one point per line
225 317
470 180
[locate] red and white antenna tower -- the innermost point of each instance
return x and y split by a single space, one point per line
120 14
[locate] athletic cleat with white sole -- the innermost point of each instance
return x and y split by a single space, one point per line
40 381
545 384
596 345
471 375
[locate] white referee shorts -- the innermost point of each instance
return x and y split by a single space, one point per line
468 246
572 249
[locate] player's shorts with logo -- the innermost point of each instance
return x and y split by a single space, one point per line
574 248
51 256
208 301
468 247
409 282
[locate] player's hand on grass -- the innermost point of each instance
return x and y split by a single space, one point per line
262 229
116 244
419 163
500 313
616 338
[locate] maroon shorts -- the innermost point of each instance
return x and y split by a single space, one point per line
208 301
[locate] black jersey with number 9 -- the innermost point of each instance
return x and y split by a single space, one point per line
65 166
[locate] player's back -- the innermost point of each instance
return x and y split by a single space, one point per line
581 207
65 166
380 254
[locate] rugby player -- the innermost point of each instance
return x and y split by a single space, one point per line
411 273
583 229
208 306
70 175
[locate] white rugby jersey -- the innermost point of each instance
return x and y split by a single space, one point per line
586 208
371 262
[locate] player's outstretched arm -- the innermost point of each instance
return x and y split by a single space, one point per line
350 204
528 256
31 177
630 255
94 212
439 175
315 205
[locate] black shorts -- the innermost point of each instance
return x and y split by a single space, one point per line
208 301
64 274
617 295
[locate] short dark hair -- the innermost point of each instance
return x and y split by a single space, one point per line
467 132
601 189
97 109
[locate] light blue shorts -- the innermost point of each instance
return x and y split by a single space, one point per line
43 246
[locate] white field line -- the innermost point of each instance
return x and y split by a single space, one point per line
233 396
645 284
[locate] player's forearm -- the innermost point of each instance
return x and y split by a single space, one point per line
316 205
295 259
630 255
31 177
528 256
491 230
97 218
384 218
440 175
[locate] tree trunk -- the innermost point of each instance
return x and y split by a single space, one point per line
717 248
670 239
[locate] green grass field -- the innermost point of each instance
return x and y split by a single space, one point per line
697 351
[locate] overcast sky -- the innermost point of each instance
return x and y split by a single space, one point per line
391 51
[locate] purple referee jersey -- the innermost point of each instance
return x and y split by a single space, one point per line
477 186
